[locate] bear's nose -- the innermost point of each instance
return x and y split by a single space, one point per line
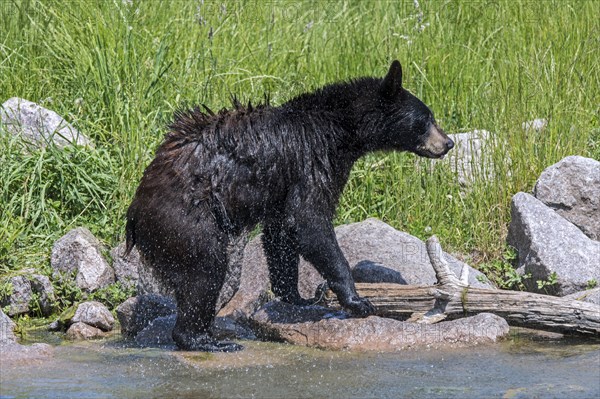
450 144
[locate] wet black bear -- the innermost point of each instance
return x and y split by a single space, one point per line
217 175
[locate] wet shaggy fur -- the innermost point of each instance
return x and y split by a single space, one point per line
216 176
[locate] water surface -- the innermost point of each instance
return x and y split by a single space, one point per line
516 368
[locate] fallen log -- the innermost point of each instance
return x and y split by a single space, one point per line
453 298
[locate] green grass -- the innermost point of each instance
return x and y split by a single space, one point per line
117 70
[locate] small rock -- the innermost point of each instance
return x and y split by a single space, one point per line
18 301
547 243
322 328
80 252
373 272
94 314
536 125
158 332
591 296
38 124
7 328
55 326
81 331
126 267
571 187
42 286
136 313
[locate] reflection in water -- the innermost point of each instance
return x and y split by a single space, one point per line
516 368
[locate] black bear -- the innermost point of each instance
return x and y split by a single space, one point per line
216 176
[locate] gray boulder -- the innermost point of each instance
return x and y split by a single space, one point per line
548 243
126 267
81 331
469 159
319 327
571 187
535 125
18 301
79 252
136 313
591 296
11 351
38 124
94 314
42 286
24 286
375 244
254 283
7 328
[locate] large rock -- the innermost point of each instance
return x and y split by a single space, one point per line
136 313
11 350
94 314
38 124
25 289
374 244
80 252
254 283
469 159
42 286
547 243
20 297
7 328
591 296
126 267
320 327
571 187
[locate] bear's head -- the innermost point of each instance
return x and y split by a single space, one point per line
405 123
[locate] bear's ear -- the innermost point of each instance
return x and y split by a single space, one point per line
392 83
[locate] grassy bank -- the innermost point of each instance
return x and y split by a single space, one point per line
117 70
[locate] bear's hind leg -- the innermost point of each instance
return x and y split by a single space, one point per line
197 293
281 250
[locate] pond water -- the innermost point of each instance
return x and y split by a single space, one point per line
516 368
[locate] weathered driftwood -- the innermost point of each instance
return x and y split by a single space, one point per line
453 298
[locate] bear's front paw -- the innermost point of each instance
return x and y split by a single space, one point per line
359 307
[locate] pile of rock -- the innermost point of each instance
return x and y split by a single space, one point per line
90 320
376 252
556 230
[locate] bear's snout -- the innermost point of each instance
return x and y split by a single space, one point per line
436 143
